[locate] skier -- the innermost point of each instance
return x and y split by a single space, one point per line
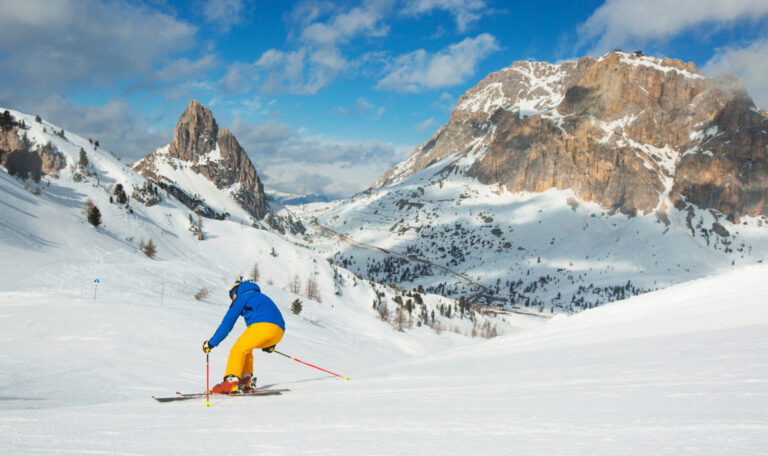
265 329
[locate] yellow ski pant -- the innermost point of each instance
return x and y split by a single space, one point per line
257 335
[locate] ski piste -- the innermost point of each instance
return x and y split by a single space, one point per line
257 392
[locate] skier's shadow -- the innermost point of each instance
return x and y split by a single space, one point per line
296 382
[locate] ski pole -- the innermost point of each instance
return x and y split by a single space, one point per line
310 365
207 377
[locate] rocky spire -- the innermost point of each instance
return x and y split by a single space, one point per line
195 134
199 145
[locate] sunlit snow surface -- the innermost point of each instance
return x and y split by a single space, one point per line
679 371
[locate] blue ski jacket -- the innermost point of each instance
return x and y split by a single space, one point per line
254 306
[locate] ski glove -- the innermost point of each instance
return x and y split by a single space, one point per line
206 347
269 349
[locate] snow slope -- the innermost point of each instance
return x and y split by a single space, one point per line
549 250
678 371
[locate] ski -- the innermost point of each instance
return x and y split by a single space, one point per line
183 396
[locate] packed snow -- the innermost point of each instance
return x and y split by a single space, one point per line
678 371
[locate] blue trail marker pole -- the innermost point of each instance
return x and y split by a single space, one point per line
95 287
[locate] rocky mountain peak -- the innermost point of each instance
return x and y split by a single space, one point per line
630 132
198 144
195 133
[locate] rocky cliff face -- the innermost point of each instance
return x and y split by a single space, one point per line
199 144
21 158
629 132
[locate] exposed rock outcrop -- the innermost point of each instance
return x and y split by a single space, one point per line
630 132
18 156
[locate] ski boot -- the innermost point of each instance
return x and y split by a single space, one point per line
247 383
228 386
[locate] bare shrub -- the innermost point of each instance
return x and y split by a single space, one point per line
312 290
399 320
294 286
255 273
383 311
149 248
438 327
202 294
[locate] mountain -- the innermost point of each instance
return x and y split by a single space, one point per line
563 187
202 157
289 199
48 240
92 327
629 132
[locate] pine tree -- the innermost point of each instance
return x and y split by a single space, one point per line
94 216
119 193
83 162
6 121
296 307
255 273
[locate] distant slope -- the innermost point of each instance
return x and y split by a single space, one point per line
678 371
549 251
48 245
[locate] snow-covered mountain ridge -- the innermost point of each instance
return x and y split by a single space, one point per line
567 186
681 370
678 371
549 251
47 226
632 133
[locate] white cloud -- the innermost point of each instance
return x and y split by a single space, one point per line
325 166
319 59
464 12
239 77
362 106
309 11
50 45
376 115
419 71
341 28
446 101
620 23
117 127
422 126
271 58
225 13
749 63
185 68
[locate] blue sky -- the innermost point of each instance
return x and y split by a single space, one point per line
325 96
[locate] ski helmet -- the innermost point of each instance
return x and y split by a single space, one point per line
233 290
